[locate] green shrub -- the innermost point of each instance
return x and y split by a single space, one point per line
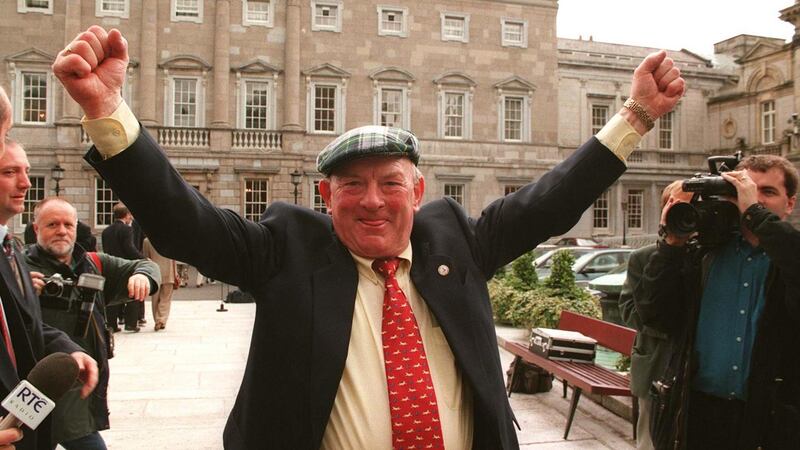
519 301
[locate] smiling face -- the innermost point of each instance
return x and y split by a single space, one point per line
56 225
372 202
14 182
772 191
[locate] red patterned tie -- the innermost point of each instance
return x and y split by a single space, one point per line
412 399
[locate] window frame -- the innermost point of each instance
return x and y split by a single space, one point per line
111 203
403 32
266 193
29 203
596 125
174 17
405 104
19 98
768 122
629 213
23 8
466 125
666 131
242 103
454 15
316 201
248 22
100 12
525 116
339 107
597 206
505 22
336 27
169 110
461 186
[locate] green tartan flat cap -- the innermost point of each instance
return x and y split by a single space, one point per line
371 140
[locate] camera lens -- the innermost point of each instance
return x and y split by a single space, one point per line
682 219
52 289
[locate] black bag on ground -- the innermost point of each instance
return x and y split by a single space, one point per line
529 378
239 296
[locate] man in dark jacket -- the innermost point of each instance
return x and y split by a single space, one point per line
118 241
742 388
25 338
327 285
76 421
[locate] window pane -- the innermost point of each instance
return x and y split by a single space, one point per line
513 118
258 11
256 104
453 27
392 21
34 97
392 107
600 211
104 201
599 117
665 131
37 3
318 202
187 8
324 108
453 114
455 191
512 32
768 122
116 6
325 15
256 192
511 188
185 103
635 201
34 195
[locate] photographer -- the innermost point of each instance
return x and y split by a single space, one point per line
732 311
76 421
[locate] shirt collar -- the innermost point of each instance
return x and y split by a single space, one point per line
3 232
364 265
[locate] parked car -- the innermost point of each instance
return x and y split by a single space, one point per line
569 242
589 263
608 288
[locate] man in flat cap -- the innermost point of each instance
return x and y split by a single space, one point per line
373 326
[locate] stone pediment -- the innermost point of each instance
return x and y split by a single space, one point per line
31 56
455 78
256 66
327 71
515 83
762 48
185 62
391 74
765 79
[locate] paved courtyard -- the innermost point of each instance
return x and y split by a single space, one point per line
174 389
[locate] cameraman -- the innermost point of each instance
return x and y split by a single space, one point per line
76 421
733 311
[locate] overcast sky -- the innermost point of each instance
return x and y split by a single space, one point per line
691 24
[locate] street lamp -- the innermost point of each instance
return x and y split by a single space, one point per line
57 174
624 205
296 177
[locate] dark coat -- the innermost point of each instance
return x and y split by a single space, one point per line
305 281
118 241
772 409
78 417
32 340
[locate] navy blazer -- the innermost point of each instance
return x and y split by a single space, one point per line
31 338
304 281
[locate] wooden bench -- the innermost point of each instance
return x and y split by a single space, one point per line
582 376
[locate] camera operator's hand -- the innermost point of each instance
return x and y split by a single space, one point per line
138 287
87 367
672 238
746 188
37 279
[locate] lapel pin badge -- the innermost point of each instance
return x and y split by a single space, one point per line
443 270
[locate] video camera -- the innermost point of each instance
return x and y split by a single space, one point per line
68 291
709 214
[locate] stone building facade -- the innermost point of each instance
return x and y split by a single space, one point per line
243 94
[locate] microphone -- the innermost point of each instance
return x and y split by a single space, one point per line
31 401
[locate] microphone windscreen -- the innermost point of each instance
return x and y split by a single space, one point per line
54 374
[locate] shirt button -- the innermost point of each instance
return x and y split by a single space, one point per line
738 339
746 284
741 311
735 367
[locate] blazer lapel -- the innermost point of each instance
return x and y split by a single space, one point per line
16 311
440 282
335 287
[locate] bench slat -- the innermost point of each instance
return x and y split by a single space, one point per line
609 335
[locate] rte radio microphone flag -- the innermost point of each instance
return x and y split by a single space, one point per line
33 399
